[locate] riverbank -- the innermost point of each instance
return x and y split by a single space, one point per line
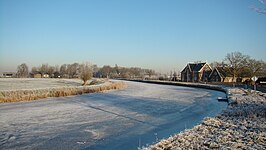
241 126
186 84
60 90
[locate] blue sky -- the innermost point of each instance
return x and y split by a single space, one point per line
160 34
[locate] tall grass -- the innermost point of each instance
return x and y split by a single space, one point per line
34 94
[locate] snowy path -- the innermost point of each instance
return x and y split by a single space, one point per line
122 119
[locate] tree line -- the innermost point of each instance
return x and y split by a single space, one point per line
83 71
238 65
75 70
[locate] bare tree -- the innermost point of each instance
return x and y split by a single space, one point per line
216 64
44 69
263 71
56 68
259 9
255 66
72 69
23 71
34 70
124 73
51 70
236 61
117 69
135 71
95 70
63 70
105 71
85 72
174 76
150 72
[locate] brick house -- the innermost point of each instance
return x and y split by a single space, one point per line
220 74
196 72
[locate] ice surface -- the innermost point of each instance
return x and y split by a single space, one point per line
118 119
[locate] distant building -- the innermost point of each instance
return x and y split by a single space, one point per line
57 75
9 74
196 72
261 81
39 75
45 76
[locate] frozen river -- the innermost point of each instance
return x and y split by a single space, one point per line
122 119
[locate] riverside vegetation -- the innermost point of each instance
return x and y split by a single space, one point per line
34 94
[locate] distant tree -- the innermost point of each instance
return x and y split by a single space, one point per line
34 70
150 72
171 75
22 71
263 71
85 72
124 73
56 73
216 64
117 69
95 71
134 71
63 70
174 76
235 61
51 70
72 69
44 69
105 71
255 66
57 68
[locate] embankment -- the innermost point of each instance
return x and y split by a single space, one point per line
187 84
34 94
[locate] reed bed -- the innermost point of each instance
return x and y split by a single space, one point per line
34 94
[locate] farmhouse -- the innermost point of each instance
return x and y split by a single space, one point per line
196 72
220 74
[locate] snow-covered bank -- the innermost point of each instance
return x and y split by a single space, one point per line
186 84
49 88
241 126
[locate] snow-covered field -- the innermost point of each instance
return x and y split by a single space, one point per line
36 83
120 119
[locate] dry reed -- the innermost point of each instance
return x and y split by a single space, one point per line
34 94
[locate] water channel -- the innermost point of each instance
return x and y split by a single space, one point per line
130 118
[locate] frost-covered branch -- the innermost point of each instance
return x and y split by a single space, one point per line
258 9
